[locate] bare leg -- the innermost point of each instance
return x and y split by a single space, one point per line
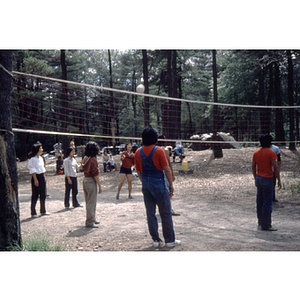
122 180
129 180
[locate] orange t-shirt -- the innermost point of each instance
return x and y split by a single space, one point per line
159 158
263 158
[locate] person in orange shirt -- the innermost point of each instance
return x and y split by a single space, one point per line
262 162
150 162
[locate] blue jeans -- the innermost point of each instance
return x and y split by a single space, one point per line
104 166
264 201
167 185
179 148
155 193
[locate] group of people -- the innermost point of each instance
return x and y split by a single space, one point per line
155 171
266 163
153 168
36 166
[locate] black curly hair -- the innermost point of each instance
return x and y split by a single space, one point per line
91 149
265 140
149 136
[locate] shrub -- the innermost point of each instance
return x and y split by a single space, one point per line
38 242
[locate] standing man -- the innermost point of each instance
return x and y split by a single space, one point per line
150 162
262 162
277 151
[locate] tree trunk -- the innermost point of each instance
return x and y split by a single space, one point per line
23 108
146 83
291 101
64 100
218 153
263 122
10 231
174 111
112 101
279 131
215 80
268 111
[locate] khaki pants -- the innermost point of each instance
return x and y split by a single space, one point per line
90 196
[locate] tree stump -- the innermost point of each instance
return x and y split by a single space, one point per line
217 150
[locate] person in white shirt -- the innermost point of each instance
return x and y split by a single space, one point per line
58 148
277 151
112 162
37 169
71 168
179 148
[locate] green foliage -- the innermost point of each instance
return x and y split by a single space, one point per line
39 242
92 111
33 65
293 187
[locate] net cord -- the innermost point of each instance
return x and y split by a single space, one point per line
150 95
130 138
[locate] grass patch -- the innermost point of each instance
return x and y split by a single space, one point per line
294 187
39 242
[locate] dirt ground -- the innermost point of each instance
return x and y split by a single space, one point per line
216 205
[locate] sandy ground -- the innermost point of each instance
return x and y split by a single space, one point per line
216 205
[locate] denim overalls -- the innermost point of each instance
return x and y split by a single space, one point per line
155 193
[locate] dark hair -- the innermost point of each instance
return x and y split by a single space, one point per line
149 136
35 149
265 140
127 145
91 149
69 150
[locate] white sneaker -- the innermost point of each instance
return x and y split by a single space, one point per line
156 244
173 244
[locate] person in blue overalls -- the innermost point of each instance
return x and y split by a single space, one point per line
150 162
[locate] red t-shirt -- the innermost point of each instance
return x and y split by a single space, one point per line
159 158
263 158
128 162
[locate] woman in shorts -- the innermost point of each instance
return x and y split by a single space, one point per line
127 159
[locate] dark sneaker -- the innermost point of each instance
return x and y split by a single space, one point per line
92 226
174 213
270 229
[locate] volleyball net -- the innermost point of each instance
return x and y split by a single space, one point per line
59 107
